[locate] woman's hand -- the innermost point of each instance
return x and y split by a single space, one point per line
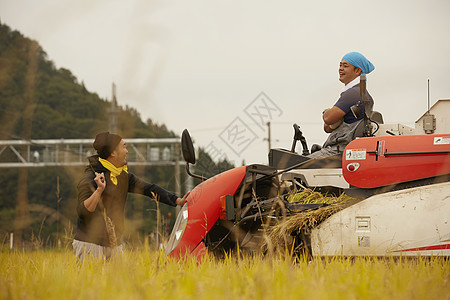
181 201
100 181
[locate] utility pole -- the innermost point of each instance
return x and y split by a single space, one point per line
58 220
269 138
177 174
113 111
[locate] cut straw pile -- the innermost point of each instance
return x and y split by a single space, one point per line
279 237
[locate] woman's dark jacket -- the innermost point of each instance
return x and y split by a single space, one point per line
91 226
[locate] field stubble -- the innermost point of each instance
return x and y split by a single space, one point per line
143 274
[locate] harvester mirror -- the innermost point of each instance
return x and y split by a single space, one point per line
187 147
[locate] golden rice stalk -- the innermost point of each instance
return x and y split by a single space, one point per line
279 237
110 230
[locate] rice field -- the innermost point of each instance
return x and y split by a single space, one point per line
145 274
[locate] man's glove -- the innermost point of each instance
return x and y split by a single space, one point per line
336 125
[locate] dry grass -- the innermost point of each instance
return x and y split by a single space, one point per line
145 274
151 275
278 237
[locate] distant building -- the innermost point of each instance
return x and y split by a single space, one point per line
436 120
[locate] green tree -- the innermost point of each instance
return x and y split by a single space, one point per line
40 101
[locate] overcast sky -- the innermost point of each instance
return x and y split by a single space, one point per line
203 65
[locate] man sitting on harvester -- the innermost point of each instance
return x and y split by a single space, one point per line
339 121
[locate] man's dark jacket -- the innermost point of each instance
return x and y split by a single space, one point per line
91 226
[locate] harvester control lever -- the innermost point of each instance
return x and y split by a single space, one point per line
298 136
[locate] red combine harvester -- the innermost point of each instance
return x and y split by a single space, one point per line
400 184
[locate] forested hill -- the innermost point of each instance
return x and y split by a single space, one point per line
37 100
40 101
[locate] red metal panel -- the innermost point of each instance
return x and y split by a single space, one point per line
204 207
378 161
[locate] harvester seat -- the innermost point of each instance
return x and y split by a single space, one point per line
374 116
377 117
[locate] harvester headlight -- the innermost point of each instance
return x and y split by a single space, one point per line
178 229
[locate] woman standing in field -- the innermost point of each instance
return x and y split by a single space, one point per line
102 194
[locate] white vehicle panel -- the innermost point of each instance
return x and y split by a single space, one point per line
318 177
405 222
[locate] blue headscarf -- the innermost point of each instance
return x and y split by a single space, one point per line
359 61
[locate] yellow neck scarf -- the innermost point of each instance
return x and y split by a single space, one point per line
113 169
